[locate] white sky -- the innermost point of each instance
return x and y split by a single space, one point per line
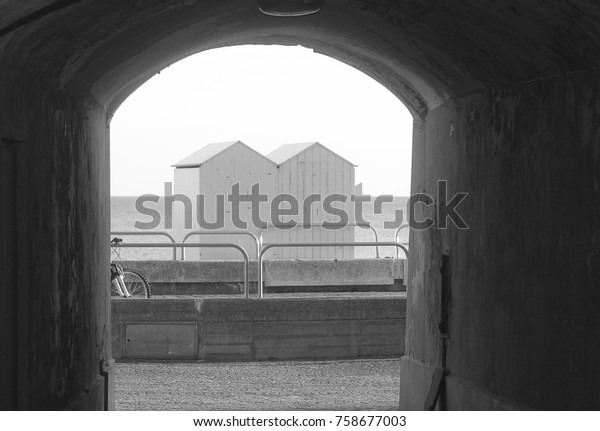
264 96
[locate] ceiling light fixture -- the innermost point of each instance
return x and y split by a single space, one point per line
289 7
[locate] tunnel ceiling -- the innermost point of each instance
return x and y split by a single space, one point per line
422 50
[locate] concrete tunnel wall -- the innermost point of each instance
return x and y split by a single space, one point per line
57 256
524 276
504 95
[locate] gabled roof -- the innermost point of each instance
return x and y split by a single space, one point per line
287 151
209 151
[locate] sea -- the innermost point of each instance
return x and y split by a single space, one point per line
124 216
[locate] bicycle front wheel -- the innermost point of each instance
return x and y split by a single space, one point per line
114 288
136 284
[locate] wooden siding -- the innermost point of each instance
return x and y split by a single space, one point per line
315 170
237 164
186 182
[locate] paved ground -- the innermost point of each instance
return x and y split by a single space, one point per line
322 385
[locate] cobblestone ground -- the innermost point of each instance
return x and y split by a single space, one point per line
201 386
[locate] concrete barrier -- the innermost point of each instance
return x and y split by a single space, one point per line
234 329
172 277
221 277
337 272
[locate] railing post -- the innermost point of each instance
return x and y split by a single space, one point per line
247 278
376 240
259 276
396 237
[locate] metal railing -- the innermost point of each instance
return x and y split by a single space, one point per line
199 245
256 240
266 247
397 237
330 226
137 233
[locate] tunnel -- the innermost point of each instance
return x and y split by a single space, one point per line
505 96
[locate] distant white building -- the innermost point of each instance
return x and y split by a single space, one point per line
300 170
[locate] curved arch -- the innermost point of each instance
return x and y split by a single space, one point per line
420 52
373 58
113 55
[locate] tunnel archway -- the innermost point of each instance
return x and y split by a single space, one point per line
504 97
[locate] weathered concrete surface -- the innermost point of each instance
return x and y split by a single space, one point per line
510 302
171 277
175 277
206 271
278 272
504 96
192 288
231 329
57 341
339 272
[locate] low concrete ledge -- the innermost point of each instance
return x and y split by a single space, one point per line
205 271
337 272
298 309
234 329
219 277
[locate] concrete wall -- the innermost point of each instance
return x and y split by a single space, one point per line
212 277
524 278
55 342
252 329
339 272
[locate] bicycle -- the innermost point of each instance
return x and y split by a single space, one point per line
125 282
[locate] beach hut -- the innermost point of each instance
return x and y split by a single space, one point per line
208 176
305 170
